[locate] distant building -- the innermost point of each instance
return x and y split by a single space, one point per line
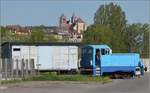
18 30
64 24
50 29
73 18
71 29
79 26
75 27
57 32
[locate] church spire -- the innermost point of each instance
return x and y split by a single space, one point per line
73 18
63 20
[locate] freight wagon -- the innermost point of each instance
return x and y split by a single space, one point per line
43 56
114 64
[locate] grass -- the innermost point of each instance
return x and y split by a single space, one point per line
55 77
10 81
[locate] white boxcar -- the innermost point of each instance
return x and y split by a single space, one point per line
58 57
42 56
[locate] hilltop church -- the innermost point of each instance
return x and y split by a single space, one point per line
75 26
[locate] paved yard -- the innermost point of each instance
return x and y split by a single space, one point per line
141 85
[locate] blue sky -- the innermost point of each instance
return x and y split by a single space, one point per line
47 12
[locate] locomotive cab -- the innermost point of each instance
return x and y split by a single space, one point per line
91 58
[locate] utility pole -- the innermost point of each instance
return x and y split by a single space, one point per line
0 60
0 71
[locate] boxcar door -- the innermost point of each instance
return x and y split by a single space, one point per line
73 57
60 57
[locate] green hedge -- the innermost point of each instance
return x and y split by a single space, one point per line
55 77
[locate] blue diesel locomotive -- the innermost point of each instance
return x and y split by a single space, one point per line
99 60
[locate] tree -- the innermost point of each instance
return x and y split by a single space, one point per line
133 31
138 38
146 43
50 38
3 31
111 15
97 34
6 35
37 34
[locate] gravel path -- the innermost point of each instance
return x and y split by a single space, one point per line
141 85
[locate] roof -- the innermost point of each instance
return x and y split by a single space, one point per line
42 43
50 27
51 30
79 20
98 46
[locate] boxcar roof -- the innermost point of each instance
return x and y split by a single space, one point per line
41 43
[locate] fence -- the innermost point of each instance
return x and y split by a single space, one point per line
16 69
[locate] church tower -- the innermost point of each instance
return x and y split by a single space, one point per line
73 18
62 21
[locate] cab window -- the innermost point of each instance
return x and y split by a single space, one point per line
87 51
107 51
104 51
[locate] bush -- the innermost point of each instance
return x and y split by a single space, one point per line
54 77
